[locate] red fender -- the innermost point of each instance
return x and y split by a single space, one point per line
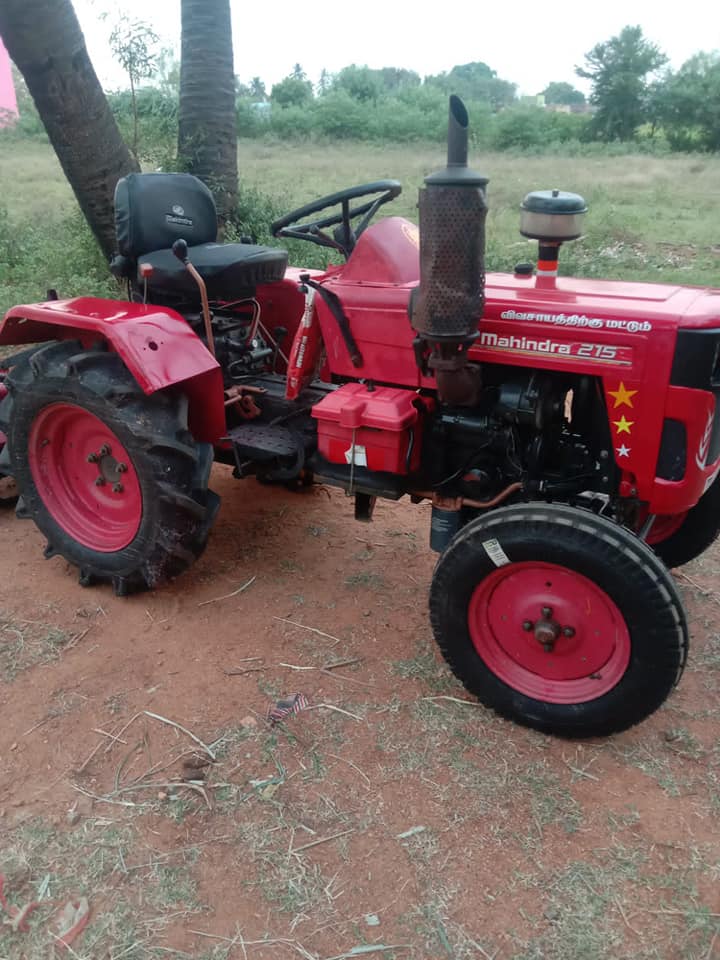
157 346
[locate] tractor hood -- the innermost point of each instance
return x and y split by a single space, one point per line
588 325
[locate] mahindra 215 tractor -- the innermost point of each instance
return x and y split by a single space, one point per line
564 430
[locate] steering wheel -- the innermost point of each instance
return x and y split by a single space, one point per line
344 238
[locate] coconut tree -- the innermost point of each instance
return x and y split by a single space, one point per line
207 134
44 39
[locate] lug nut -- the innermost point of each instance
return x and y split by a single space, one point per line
528 625
117 488
547 612
122 468
568 631
92 458
105 450
99 481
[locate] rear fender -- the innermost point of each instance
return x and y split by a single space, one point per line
157 346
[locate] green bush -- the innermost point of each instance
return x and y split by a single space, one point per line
339 116
61 255
291 123
530 128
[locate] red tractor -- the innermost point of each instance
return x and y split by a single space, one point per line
564 430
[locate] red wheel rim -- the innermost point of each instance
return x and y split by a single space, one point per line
85 477
587 643
665 526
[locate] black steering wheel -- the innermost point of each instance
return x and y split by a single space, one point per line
344 237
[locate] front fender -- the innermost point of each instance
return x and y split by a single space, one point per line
157 346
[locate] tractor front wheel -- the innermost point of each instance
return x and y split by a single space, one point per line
112 477
558 619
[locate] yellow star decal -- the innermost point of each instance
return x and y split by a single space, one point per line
621 396
623 425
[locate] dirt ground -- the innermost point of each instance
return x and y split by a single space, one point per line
395 818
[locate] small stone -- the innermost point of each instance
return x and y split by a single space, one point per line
14 746
73 816
372 919
162 795
552 914
247 723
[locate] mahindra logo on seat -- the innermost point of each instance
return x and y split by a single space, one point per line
178 210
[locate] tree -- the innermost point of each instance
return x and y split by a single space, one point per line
620 70
292 92
563 93
687 104
257 89
207 123
44 39
361 83
134 44
398 78
325 82
476 81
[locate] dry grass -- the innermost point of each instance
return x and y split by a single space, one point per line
25 643
651 218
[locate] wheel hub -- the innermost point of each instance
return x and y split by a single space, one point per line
85 477
109 469
549 632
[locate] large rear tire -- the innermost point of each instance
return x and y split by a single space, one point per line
112 477
558 619
679 539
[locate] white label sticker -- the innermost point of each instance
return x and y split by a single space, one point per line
357 455
496 553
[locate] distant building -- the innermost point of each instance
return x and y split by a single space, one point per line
8 100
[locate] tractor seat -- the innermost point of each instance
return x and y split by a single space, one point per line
153 210
229 270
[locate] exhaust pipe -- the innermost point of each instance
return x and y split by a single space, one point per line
446 307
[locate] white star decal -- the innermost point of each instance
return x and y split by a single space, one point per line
623 451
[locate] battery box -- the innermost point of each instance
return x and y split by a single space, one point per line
373 427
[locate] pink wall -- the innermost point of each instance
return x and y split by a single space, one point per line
8 101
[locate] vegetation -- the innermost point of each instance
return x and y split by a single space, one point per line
632 231
619 71
45 41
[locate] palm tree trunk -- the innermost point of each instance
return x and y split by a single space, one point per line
207 134
44 39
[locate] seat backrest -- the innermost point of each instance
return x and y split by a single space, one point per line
153 210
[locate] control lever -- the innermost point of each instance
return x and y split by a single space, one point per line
180 249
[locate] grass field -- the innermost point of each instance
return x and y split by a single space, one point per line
397 819
650 218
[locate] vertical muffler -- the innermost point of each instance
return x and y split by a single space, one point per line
446 307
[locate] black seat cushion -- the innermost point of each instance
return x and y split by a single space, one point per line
230 270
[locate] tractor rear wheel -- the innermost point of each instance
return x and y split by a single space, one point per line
112 477
558 619
680 538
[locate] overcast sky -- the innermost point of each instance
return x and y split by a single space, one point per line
515 38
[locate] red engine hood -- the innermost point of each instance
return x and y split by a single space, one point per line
387 255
